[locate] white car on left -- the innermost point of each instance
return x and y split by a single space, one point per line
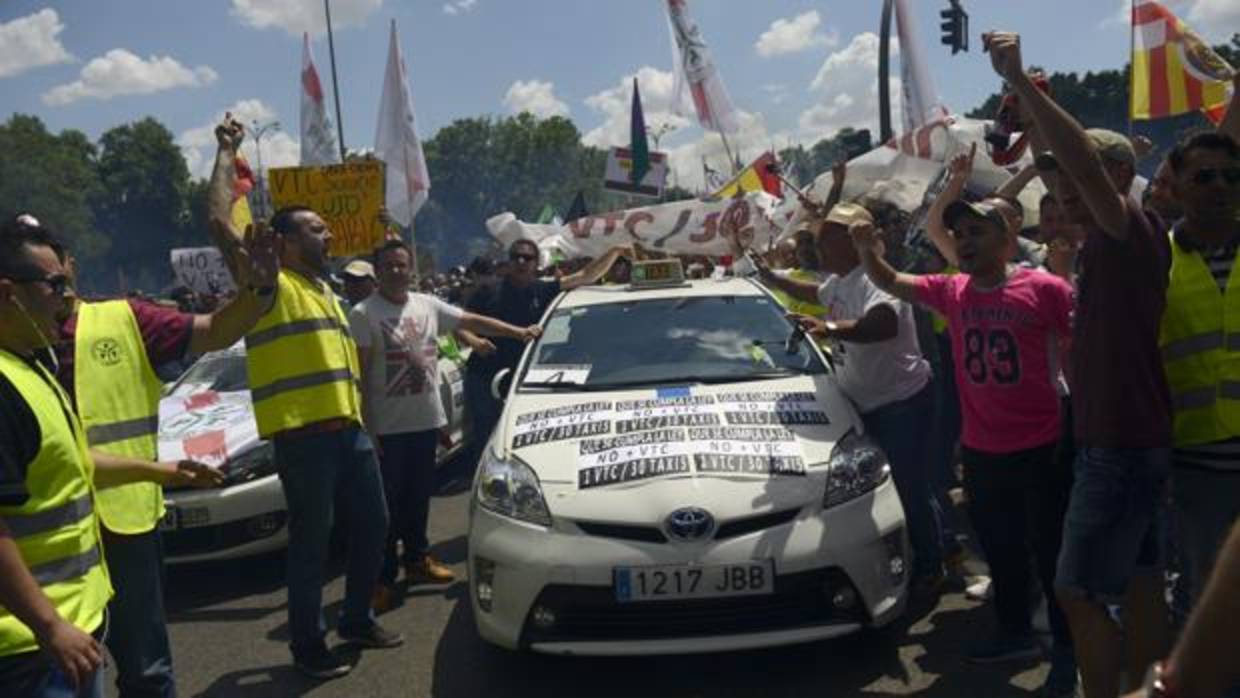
207 415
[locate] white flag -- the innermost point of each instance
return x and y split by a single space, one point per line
397 144
921 100
318 147
695 69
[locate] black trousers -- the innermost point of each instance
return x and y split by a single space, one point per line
408 465
1017 503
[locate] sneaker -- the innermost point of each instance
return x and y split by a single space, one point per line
321 663
374 636
1004 647
979 590
428 570
383 598
1062 680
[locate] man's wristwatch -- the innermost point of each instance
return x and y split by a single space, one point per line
830 327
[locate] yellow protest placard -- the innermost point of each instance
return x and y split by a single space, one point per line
348 197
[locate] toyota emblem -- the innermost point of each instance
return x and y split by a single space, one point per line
690 523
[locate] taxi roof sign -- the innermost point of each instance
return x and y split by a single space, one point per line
657 273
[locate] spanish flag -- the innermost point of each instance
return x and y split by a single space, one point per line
1174 71
756 177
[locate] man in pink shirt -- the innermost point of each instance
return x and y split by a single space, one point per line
1005 323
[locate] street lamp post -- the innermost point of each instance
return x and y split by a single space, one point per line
259 132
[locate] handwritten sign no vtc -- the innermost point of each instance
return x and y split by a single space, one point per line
348 197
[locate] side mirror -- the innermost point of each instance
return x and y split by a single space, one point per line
500 384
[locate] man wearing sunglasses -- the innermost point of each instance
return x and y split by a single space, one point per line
519 298
1200 346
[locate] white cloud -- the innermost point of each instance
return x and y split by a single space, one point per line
849 95
794 35
1216 19
778 92
458 6
279 148
685 143
536 97
297 16
31 42
615 104
119 72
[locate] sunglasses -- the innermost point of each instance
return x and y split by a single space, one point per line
58 283
1230 175
518 257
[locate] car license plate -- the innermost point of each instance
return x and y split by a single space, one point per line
660 582
169 520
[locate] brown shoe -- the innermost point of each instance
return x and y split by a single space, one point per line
428 570
383 598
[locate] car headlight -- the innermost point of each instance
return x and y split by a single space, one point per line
857 466
257 462
510 488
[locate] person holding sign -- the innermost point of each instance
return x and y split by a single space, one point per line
396 333
303 370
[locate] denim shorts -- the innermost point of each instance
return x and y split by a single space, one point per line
1113 528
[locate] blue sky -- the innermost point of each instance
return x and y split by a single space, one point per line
797 69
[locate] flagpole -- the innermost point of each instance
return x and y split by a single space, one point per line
331 50
728 149
1132 52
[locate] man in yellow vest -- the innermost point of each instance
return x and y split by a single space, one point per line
54 585
304 375
1200 345
104 361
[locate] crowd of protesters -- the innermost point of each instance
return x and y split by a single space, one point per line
1077 379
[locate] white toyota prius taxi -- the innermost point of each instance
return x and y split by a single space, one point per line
673 473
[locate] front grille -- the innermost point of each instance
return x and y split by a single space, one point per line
642 534
650 534
203 540
591 613
753 524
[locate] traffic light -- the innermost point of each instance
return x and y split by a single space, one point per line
955 27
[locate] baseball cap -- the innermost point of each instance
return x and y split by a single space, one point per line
359 269
981 209
847 214
1109 144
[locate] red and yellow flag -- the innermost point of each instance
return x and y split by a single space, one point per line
1174 70
756 177
241 216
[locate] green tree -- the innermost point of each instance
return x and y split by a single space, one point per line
143 202
53 178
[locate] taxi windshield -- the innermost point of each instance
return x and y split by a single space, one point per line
717 339
221 372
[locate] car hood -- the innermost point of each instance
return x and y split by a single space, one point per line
206 426
748 446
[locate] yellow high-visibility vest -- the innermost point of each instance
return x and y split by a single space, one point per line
118 398
1200 345
56 530
302 360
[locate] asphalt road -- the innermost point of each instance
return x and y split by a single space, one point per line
229 631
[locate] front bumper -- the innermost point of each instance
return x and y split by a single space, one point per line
222 524
820 556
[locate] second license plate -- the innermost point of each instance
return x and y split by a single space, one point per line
659 582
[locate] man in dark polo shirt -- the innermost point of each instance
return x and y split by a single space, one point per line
1121 403
520 298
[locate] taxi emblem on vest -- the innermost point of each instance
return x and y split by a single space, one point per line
106 351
